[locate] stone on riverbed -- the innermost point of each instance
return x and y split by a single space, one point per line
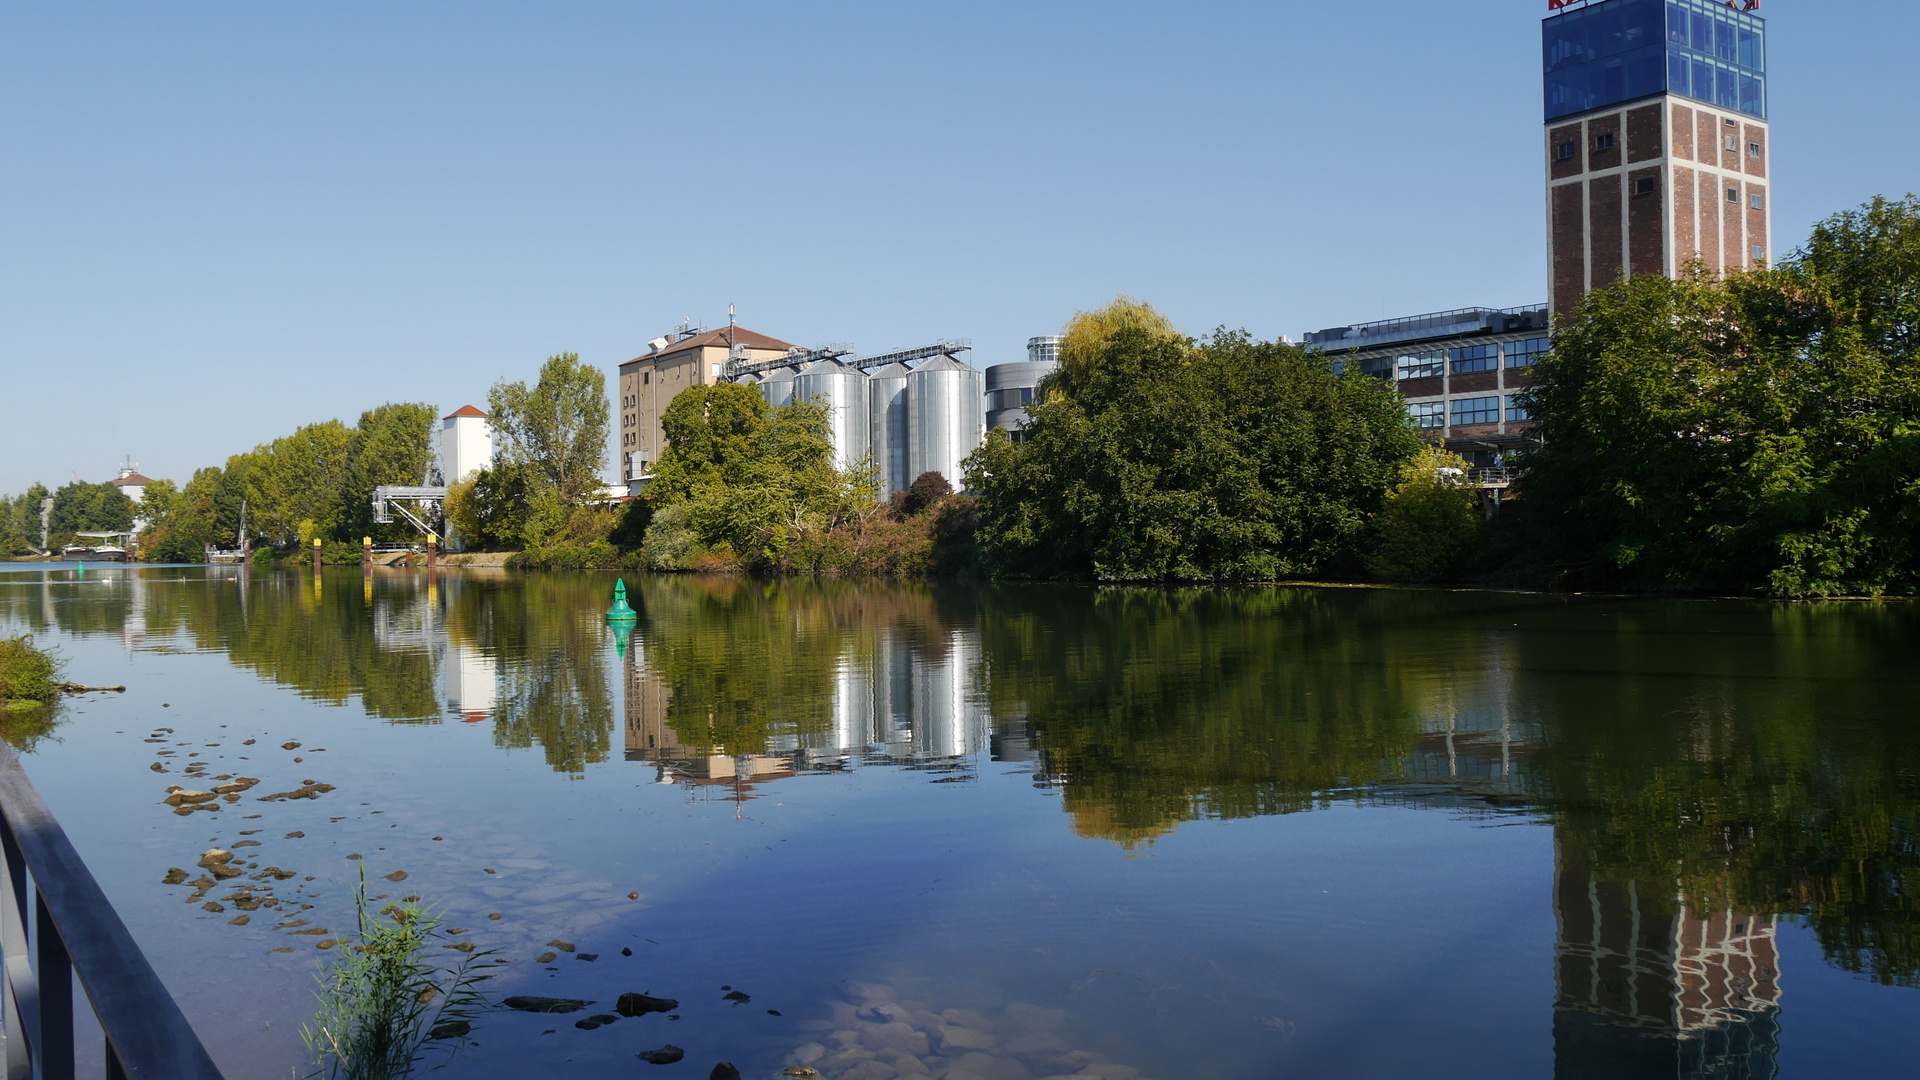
179 796
238 783
175 876
666 1055
545 1004
307 790
631 1004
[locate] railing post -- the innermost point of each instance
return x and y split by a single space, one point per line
54 1047
13 952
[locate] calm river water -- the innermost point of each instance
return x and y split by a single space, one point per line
1013 833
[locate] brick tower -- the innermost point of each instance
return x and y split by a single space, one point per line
1656 140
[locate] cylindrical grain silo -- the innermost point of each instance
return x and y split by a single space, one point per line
945 421
777 387
842 390
887 407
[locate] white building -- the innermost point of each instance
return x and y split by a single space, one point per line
131 482
466 443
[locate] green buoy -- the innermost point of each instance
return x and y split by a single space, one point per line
620 612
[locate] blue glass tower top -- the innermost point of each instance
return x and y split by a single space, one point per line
1619 50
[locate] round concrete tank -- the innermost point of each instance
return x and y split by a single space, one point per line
945 422
843 391
887 408
777 387
1010 389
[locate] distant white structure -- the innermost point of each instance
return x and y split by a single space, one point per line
131 482
466 443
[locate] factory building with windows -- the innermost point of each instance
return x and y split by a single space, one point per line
1460 371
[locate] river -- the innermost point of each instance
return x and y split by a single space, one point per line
1013 832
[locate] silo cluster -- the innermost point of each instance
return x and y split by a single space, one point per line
908 420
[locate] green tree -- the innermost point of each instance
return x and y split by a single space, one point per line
1431 520
391 445
1170 460
296 491
1753 434
558 428
750 479
84 507
20 521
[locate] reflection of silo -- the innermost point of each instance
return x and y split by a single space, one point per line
944 418
887 405
949 717
893 694
852 705
842 390
778 387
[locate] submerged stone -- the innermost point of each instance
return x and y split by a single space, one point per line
631 1004
666 1055
545 1004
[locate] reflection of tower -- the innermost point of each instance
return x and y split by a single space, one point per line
1651 983
853 711
648 736
472 679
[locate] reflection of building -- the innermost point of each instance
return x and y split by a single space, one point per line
472 682
1651 983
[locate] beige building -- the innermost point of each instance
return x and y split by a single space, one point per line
650 381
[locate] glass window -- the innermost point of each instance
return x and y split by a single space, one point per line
1757 201
1677 73
1759 253
1475 358
1478 410
1566 41
1677 24
1420 365
1517 409
1724 41
1702 32
1753 149
1428 414
1644 74
1524 353
1733 195
1603 141
1752 97
1726 89
1703 80
1379 367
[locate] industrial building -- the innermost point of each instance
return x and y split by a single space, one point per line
690 356
1011 386
1459 371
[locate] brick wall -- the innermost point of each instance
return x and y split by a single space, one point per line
1646 223
1557 168
1643 134
1682 132
1569 254
1604 199
1708 197
1756 223
1603 130
1684 244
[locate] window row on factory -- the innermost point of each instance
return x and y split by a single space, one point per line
1467 410
1465 360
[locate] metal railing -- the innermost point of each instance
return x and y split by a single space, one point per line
75 931
1495 477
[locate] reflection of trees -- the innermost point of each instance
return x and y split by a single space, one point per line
545 632
1761 762
1152 707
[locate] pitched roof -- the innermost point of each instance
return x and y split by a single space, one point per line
717 339
131 480
465 410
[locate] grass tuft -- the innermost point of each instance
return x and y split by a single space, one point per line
383 1003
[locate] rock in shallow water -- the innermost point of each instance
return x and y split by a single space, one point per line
545 1004
666 1055
631 1004
724 1071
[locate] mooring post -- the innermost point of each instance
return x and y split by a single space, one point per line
316 557
433 552
366 554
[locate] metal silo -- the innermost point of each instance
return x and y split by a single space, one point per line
945 421
843 390
747 380
887 407
1010 389
778 387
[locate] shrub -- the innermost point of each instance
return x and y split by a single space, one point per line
27 674
1430 521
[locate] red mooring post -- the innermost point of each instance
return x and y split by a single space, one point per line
433 552
366 554
316 556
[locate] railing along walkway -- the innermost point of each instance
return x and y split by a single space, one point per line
75 931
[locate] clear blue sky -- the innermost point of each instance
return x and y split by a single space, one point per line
221 221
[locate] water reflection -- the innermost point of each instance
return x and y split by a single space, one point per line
1708 769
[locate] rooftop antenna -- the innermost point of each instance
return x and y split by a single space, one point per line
729 328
